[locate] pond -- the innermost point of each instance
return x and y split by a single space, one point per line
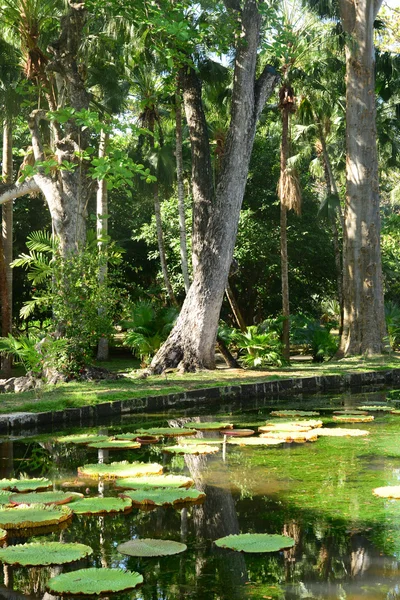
346 539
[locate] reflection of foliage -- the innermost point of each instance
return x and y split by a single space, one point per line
38 461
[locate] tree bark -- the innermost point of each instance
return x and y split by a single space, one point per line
235 307
161 246
364 328
191 344
181 188
7 247
102 232
283 238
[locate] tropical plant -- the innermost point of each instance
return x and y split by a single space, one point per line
392 316
259 345
314 337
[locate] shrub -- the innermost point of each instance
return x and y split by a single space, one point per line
316 338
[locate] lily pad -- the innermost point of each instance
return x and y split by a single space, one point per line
388 491
376 408
120 469
44 498
341 432
202 441
291 426
353 418
94 581
210 426
27 517
255 542
255 441
163 496
125 436
167 431
4 497
293 436
157 481
395 412
25 485
81 438
192 449
294 413
151 547
237 432
96 506
350 412
113 444
43 554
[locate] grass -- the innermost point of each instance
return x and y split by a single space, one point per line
76 394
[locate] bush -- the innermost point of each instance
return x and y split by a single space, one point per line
316 338
392 315
259 345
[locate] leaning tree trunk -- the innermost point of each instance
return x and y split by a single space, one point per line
364 327
6 247
102 232
181 188
191 344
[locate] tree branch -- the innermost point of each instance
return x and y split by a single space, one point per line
33 123
232 5
263 88
16 190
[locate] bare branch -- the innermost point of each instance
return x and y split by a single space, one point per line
16 190
264 87
33 123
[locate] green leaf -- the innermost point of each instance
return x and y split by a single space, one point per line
255 441
167 431
120 469
255 542
43 498
21 517
94 581
341 432
81 438
112 444
194 449
163 496
43 554
101 505
213 426
157 481
150 547
376 408
25 485
294 413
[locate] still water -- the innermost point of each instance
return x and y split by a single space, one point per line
347 540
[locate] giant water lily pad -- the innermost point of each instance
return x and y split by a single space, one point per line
195 449
291 426
376 408
120 469
167 431
202 441
294 413
95 506
210 426
28 517
4 497
163 496
113 444
350 412
255 441
151 547
81 438
157 481
388 491
25 485
255 542
44 498
353 418
94 582
293 436
395 412
43 553
341 432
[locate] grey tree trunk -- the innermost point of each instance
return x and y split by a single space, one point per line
161 245
364 329
283 238
191 344
102 231
181 189
7 246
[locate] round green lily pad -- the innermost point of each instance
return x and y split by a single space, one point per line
163 496
157 481
81 438
255 542
94 581
120 469
395 412
125 436
278 427
294 413
113 444
43 553
94 506
350 412
204 441
3 535
43 498
4 497
255 441
211 426
25 485
167 431
293 436
22 517
376 408
150 547
193 449
341 432
353 418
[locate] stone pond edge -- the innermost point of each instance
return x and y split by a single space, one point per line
33 422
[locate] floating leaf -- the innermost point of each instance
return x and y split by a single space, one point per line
350 412
210 426
25 485
4 497
255 542
291 426
113 444
255 441
120 469
43 553
294 413
151 547
395 412
81 438
3 535
93 506
237 432
293 436
389 491
167 431
157 481
201 441
341 432
376 408
94 581
27 517
163 496
125 436
193 449
44 498
353 418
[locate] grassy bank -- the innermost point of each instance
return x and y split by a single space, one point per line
76 394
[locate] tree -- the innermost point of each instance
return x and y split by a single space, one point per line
191 344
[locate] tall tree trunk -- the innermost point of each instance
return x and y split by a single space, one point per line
7 246
181 188
364 328
283 237
191 344
235 308
161 246
102 232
